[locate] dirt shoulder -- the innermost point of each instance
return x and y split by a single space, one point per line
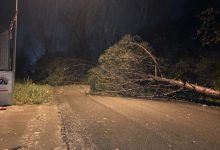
31 127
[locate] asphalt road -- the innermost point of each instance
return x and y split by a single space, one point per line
110 123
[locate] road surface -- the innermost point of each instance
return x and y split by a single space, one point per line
110 123
31 128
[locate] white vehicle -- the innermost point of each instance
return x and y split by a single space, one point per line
6 72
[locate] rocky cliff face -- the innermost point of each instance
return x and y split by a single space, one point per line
84 28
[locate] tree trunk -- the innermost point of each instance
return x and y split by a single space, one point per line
186 85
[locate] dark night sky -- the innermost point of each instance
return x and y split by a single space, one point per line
84 28
7 9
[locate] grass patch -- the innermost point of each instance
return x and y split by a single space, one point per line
31 93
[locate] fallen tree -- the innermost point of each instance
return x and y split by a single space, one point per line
188 86
129 68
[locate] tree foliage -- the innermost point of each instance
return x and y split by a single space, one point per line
123 68
60 71
209 32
